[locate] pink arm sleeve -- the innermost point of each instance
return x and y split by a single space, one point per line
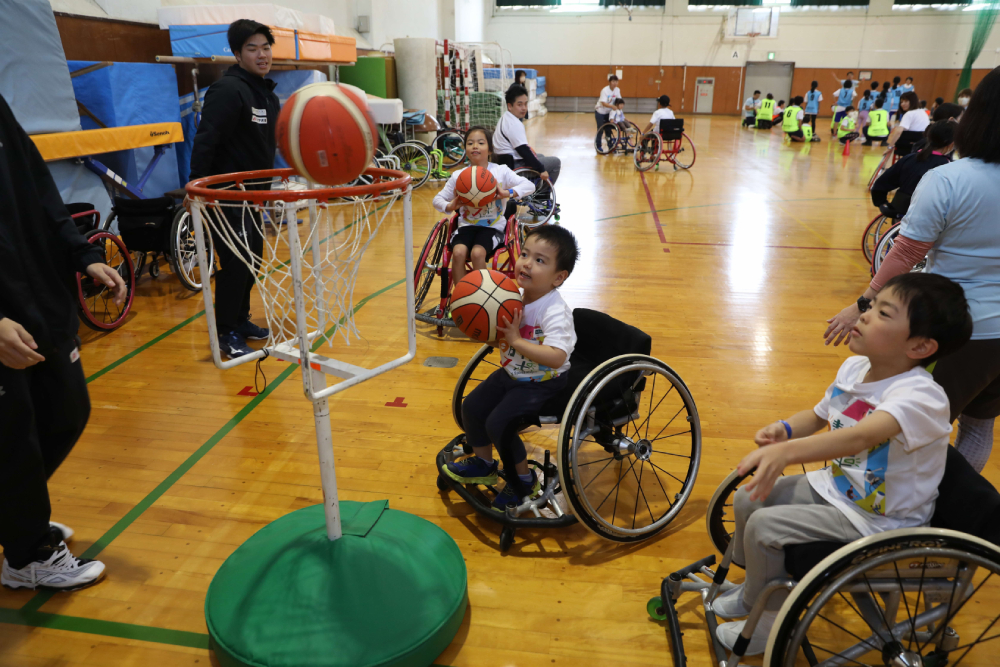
904 256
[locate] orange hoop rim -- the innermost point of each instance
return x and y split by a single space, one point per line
202 187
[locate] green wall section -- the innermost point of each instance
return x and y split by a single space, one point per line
368 75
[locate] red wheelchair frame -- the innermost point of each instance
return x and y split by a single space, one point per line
890 158
435 260
653 148
96 304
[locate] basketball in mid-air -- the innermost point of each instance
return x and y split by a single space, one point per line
326 133
476 187
480 300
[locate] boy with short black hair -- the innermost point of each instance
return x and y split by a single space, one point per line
750 106
888 438
535 351
663 112
236 133
791 123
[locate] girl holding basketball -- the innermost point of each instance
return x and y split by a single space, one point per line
481 194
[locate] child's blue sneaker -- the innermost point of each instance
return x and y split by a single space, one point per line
472 470
510 494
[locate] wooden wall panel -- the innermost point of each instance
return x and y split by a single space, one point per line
651 81
87 38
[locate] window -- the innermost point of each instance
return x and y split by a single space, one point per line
583 5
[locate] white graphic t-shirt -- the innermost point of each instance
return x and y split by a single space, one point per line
490 215
547 321
895 483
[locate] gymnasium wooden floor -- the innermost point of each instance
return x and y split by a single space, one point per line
732 267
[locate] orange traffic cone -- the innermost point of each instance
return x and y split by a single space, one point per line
847 148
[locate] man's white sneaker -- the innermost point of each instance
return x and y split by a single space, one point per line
730 604
67 532
728 633
62 571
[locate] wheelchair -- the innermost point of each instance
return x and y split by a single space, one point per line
435 260
97 308
629 433
885 245
899 598
890 158
540 206
613 139
889 215
669 145
157 227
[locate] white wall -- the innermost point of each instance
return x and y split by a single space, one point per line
674 35
470 19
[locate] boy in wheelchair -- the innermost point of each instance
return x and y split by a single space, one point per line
663 112
536 349
888 439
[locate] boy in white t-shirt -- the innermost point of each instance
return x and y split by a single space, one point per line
889 426
662 113
618 115
535 351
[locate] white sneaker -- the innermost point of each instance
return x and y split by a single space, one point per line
730 604
67 532
728 633
62 571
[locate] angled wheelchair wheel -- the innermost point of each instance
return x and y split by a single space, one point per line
630 136
505 258
629 448
184 251
685 155
607 138
414 160
873 232
97 307
429 262
540 206
480 366
914 596
647 151
883 164
885 244
451 143
720 518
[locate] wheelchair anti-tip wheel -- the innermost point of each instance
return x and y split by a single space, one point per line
96 300
919 596
629 448
607 138
184 252
647 151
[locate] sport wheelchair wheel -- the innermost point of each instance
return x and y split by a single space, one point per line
607 139
647 151
97 307
414 160
480 366
184 252
883 164
540 206
629 412
720 517
873 234
885 244
685 155
451 143
915 596
429 262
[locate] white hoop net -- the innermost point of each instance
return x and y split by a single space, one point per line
304 255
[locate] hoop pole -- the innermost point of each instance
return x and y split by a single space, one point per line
327 465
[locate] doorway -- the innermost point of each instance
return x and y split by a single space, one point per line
769 77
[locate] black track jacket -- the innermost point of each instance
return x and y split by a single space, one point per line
236 132
40 247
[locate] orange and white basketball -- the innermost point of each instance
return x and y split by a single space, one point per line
476 187
326 133
480 300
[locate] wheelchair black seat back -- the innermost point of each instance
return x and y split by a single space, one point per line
671 129
629 440
914 596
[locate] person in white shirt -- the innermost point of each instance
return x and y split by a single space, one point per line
535 360
606 101
480 231
750 106
662 113
618 115
510 142
888 439
911 126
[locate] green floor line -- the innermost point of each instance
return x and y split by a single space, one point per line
146 633
36 602
683 208
142 348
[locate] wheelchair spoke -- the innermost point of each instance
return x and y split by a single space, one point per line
657 436
666 473
672 435
665 495
651 393
979 640
616 486
599 472
952 614
588 463
862 617
841 656
906 604
643 494
866 642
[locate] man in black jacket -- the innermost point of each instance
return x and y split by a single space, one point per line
236 133
44 404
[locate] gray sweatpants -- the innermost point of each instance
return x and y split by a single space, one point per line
552 165
793 513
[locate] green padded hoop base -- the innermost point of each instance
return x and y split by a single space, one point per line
391 592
